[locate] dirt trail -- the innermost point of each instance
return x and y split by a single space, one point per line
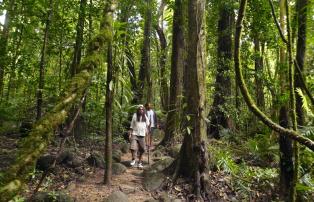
93 189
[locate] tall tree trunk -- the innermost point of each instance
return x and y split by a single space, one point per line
222 93
176 76
42 63
110 85
125 12
162 63
260 100
80 125
145 67
12 77
285 144
4 38
300 54
164 90
79 38
193 160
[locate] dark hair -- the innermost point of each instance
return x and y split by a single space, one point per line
139 116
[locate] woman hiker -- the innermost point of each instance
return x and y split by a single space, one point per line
138 130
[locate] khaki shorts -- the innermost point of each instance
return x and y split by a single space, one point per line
138 143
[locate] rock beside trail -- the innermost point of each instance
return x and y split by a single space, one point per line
118 168
116 155
165 197
66 156
69 159
153 177
174 150
52 197
125 148
44 162
96 160
117 196
151 200
153 181
127 189
159 165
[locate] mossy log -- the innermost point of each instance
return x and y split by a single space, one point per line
294 135
12 180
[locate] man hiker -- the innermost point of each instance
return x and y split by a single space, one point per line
153 124
138 129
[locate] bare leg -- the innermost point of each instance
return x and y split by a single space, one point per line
140 157
133 152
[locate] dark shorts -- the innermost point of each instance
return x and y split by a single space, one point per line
138 143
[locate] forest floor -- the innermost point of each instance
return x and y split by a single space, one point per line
85 183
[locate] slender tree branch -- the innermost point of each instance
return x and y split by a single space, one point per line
276 22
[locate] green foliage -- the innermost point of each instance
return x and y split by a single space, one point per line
246 180
18 198
305 104
263 148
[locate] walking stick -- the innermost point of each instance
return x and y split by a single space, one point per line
148 154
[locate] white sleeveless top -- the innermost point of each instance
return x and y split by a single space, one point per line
139 127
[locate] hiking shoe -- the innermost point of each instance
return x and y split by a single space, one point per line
140 165
132 163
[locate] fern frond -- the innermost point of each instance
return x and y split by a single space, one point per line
305 104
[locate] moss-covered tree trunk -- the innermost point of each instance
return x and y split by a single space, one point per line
176 75
193 155
42 63
218 115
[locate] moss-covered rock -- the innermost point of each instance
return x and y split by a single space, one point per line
164 197
52 197
159 165
118 168
69 159
96 160
117 196
125 147
66 156
44 162
153 181
116 155
174 150
152 200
